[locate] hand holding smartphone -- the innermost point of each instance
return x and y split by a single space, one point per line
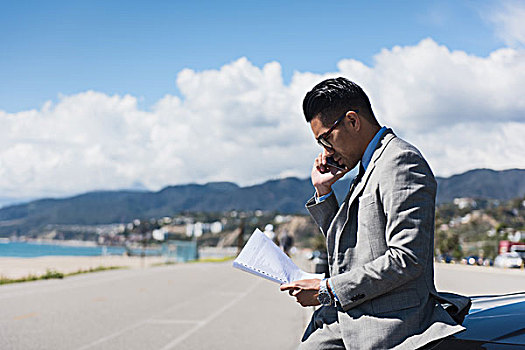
325 172
330 161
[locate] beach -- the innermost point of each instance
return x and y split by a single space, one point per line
14 268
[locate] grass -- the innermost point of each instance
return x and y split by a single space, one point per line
207 260
53 274
226 258
97 269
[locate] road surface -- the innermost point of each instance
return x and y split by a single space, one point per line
186 306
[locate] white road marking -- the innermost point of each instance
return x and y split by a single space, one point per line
210 318
153 319
124 330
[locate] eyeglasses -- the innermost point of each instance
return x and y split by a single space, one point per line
322 139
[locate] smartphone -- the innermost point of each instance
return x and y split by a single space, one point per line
330 161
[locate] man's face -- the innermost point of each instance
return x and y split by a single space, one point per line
344 140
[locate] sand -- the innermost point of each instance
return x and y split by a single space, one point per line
22 267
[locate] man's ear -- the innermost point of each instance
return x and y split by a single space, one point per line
354 120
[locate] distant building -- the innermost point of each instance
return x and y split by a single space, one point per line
194 230
159 234
199 228
463 203
281 219
216 227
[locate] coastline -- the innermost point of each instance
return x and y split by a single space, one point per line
14 268
67 243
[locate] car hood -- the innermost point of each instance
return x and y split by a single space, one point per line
496 318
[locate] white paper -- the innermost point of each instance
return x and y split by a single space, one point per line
263 258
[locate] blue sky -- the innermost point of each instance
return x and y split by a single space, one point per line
103 95
138 47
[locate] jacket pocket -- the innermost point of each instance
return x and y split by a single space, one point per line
395 300
366 199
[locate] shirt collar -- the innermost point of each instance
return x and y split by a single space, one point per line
367 156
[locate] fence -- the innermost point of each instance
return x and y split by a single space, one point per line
179 251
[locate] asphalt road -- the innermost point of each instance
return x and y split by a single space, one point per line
478 280
187 306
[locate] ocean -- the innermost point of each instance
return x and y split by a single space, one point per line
32 250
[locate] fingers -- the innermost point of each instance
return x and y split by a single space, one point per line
292 291
287 286
306 298
325 167
302 296
295 292
292 288
323 157
320 163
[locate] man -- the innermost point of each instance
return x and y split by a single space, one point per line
380 294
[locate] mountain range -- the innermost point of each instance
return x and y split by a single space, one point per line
284 195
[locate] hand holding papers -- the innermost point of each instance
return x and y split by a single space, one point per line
261 257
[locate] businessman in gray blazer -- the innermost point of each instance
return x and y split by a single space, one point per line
380 293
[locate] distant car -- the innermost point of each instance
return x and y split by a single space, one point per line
488 262
445 258
521 252
508 260
473 260
493 322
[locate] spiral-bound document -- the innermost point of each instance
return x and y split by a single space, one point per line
261 257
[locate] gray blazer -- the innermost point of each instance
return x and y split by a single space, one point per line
380 250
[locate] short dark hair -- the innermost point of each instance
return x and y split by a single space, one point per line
332 97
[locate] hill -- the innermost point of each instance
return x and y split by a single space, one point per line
482 183
284 195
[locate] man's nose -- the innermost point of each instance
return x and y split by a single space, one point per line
328 151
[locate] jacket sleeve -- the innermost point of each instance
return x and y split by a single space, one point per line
323 213
407 196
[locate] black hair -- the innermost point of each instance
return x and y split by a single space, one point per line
329 99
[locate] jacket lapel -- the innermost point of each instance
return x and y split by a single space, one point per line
357 187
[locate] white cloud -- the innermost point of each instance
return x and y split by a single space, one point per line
508 19
242 123
427 86
462 111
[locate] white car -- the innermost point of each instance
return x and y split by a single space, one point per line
507 260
